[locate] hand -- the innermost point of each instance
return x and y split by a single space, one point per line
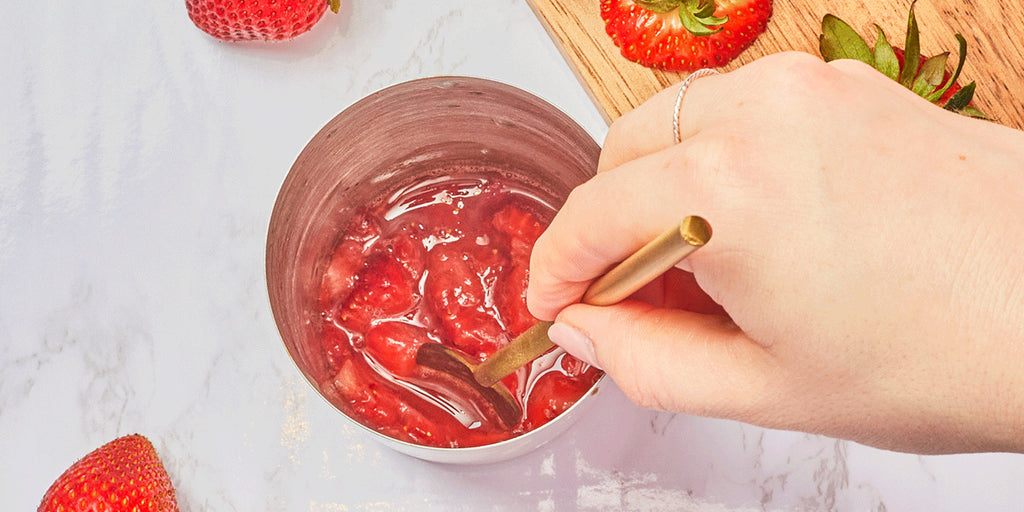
866 266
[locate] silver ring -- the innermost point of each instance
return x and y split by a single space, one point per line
679 97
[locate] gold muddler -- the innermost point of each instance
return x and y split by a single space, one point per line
642 267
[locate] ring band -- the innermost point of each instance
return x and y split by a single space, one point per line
679 97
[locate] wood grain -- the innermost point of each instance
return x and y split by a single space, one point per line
994 59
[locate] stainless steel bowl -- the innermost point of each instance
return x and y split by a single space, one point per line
383 141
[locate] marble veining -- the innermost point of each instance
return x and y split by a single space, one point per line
139 162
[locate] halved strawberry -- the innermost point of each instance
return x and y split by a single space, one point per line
124 474
684 35
928 78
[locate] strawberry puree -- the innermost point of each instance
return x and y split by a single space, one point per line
442 261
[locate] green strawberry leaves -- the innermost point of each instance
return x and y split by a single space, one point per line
911 51
934 96
838 40
885 59
961 103
698 16
660 6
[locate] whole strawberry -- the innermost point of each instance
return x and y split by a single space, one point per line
269 20
684 35
122 475
927 76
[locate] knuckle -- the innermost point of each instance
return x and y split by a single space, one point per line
799 83
724 167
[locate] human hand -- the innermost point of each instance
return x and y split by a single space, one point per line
866 261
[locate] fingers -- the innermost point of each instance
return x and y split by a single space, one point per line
671 359
648 128
713 99
708 100
611 216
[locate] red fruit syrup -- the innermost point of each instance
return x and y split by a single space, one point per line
444 260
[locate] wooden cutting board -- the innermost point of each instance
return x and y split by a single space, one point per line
995 57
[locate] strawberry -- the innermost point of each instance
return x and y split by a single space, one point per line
383 288
124 474
455 288
684 35
522 227
348 257
390 410
408 250
337 347
928 78
552 394
394 345
511 299
269 20
341 273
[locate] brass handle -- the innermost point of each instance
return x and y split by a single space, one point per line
642 267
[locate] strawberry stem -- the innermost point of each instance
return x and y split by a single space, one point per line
885 57
930 74
956 74
961 99
335 6
912 50
697 16
838 40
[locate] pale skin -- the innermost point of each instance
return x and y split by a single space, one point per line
867 256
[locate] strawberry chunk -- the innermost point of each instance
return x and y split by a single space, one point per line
521 226
340 276
511 299
410 424
406 249
383 289
475 332
347 260
451 283
336 346
358 390
394 345
457 294
552 394
362 228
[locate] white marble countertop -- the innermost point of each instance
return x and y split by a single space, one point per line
139 162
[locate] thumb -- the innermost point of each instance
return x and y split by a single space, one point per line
671 359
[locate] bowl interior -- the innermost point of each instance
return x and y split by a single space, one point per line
417 129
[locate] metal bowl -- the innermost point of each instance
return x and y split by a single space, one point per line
383 141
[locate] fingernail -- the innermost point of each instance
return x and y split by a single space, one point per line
574 341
